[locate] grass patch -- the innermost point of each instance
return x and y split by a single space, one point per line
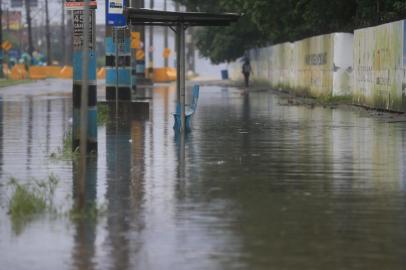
91 211
36 199
65 152
30 200
102 114
7 82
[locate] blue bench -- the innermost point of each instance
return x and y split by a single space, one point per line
189 110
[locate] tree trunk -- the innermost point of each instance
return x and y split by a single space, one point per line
48 34
63 38
28 16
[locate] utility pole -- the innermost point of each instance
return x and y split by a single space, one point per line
48 34
151 46
8 19
84 125
166 41
63 38
1 39
28 17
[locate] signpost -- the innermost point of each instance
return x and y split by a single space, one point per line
84 75
118 56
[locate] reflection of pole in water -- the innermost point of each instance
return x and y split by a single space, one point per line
180 138
85 228
1 137
30 132
48 127
118 195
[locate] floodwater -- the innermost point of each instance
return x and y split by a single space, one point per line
257 184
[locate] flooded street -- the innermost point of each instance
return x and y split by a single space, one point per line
258 184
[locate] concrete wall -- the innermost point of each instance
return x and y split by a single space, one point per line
370 66
380 66
319 66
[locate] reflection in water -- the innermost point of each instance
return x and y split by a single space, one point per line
30 129
125 184
83 251
255 185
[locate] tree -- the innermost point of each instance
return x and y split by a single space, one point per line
274 21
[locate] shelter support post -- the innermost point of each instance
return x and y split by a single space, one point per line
181 72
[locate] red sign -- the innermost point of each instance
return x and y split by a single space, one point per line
79 4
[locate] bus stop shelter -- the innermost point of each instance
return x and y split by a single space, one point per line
179 22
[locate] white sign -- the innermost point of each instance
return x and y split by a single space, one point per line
116 7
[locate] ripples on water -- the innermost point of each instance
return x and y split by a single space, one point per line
257 185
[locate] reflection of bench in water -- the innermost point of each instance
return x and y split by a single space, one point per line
190 110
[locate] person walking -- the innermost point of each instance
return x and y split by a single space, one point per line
246 70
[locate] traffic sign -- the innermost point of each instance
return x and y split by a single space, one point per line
115 13
6 45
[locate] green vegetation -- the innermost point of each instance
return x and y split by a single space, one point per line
7 82
274 21
36 198
65 152
91 211
30 200
102 114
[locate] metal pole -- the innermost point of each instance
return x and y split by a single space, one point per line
151 47
116 63
177 46
48 34
28 16
166 60
181 76
63 42
84 107
1 40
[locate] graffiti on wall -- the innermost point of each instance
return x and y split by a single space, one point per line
379 66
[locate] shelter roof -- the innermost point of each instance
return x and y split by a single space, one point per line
136 16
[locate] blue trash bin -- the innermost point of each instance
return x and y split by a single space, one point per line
224 74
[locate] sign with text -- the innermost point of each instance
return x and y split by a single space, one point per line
79 4
78 29
115 13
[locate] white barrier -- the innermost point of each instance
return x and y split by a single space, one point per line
370 66
320 66
380 66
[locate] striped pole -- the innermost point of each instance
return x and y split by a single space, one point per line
78 38
124 73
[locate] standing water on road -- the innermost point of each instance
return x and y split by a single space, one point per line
258 184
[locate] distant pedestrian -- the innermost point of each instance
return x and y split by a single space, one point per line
246 70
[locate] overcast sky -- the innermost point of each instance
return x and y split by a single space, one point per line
55 7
